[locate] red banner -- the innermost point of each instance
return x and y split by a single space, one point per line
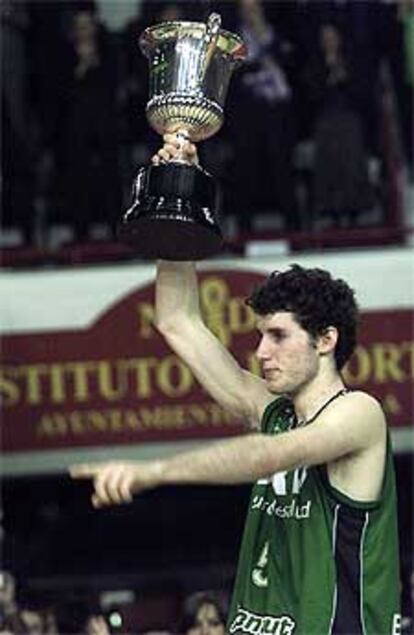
118 382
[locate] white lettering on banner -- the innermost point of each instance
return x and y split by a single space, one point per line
254 624
396 624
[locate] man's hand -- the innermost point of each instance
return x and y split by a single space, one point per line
176 146
116 482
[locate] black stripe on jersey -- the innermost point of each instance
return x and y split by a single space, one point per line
350 532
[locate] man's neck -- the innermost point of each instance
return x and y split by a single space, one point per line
315 394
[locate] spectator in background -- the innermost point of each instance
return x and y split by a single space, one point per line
38 622
18 147
259 121
77 617
395 44
85 134
96 625
341 186
204 613
10 619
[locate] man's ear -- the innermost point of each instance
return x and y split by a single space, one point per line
327 340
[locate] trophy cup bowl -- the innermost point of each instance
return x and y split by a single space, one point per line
174 208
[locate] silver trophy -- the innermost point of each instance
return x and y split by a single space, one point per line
174 210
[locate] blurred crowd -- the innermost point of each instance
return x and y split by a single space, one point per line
73 112
200 613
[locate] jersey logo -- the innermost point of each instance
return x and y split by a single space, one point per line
282 482
254 624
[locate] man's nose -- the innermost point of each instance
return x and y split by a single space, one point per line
262 351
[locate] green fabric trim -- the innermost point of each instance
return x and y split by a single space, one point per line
270 406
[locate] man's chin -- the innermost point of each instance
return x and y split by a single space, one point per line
275 390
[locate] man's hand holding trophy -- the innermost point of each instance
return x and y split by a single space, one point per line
174 213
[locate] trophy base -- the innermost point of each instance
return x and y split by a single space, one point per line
173 214
175 239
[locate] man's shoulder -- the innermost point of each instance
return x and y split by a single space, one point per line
359 399
360 411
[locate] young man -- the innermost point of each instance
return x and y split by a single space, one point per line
320 549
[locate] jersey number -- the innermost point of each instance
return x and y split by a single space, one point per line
259 577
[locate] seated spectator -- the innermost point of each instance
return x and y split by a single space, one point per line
204 613
76 617
10 619
33 621
18 151
96 625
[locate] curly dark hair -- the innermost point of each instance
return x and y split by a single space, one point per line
316 299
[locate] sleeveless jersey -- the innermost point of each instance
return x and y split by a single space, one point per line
312 560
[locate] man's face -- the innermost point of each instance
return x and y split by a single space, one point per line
286 352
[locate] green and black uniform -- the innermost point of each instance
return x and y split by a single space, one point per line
313 561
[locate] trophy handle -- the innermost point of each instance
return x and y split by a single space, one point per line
212 33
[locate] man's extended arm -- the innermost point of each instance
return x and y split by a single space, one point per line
179 320
355 426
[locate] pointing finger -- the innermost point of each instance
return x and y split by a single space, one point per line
84 470
101 489
125 490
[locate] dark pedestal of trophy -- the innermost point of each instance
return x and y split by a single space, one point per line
174 210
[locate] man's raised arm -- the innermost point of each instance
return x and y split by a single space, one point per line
179 320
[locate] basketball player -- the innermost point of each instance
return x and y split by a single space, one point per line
319 554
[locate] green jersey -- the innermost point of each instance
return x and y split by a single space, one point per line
313 561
